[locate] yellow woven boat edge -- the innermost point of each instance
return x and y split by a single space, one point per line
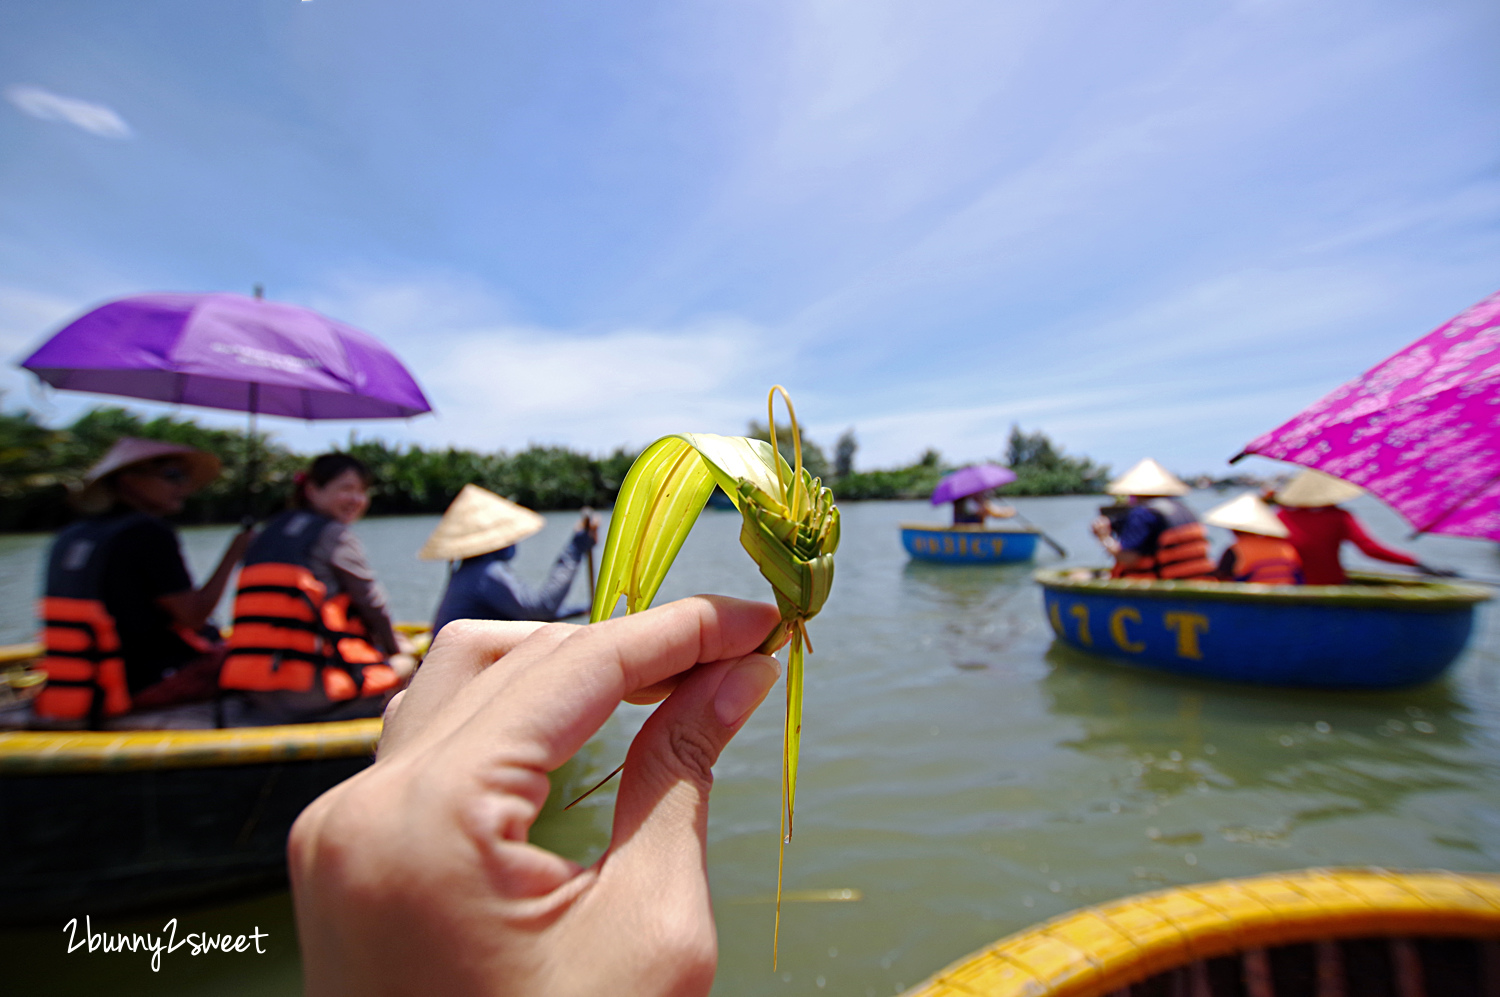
1097 950
48 752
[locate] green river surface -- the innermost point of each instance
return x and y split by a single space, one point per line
962 773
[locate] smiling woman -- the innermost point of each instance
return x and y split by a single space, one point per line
313 638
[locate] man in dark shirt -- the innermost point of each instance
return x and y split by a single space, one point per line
142 564
142 580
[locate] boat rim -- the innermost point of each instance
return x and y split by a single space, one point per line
1101 949
1371 590
37 752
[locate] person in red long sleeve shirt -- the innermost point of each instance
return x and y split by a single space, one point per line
1317 527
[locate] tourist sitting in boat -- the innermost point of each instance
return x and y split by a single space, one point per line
1318 528
126 633
312 637
1260 552
1157 536
480 530
973 510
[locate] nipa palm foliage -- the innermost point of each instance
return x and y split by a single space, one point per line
790 530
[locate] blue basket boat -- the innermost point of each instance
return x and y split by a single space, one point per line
968 544
1379 633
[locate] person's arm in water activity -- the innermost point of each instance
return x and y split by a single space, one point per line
1356 534
415 876
511 598
998 510
191 609
1124 557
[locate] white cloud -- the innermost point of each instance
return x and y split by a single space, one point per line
94 118
499 383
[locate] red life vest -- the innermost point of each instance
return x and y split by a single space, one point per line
1265 560
1181 548
289 633
83 660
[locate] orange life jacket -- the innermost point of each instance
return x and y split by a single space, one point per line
83 661
288 632
1265 560
1181 548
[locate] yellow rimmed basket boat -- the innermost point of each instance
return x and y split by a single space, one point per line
107 822
110 822
1311 933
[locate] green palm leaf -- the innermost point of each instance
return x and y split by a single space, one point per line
790 530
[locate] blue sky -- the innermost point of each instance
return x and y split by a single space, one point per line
1156 229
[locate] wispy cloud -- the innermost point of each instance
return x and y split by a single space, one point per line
97 119
499 383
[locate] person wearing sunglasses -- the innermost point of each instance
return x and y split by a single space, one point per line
128 643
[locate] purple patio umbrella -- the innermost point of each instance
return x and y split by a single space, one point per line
971 480
226 351
1420 431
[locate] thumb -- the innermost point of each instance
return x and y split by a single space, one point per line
658 848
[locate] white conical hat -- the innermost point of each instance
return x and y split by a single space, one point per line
1148 478
1314 488
1248 514
477 522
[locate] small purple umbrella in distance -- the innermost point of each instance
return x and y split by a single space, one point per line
1418 430
971 480
227 351
976 478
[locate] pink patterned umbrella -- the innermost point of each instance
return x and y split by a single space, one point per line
1421 430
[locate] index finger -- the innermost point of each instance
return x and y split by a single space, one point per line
461 654
559 696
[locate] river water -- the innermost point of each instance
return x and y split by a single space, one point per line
962 777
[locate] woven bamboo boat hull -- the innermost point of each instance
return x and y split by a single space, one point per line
116 822
1380 633
967 544
1313 933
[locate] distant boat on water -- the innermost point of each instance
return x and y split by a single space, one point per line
1381 632
968 544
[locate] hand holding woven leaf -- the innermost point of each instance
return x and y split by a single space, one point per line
790 530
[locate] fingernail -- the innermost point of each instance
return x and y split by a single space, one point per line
743 688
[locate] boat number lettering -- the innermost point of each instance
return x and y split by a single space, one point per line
1082 612
1055 617
1117 629
967 547
1187 627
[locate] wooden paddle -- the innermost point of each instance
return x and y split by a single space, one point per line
1050 542
587 512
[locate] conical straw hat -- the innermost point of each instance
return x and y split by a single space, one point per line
96 494
1148 478
477 522
1248 514
1314 488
